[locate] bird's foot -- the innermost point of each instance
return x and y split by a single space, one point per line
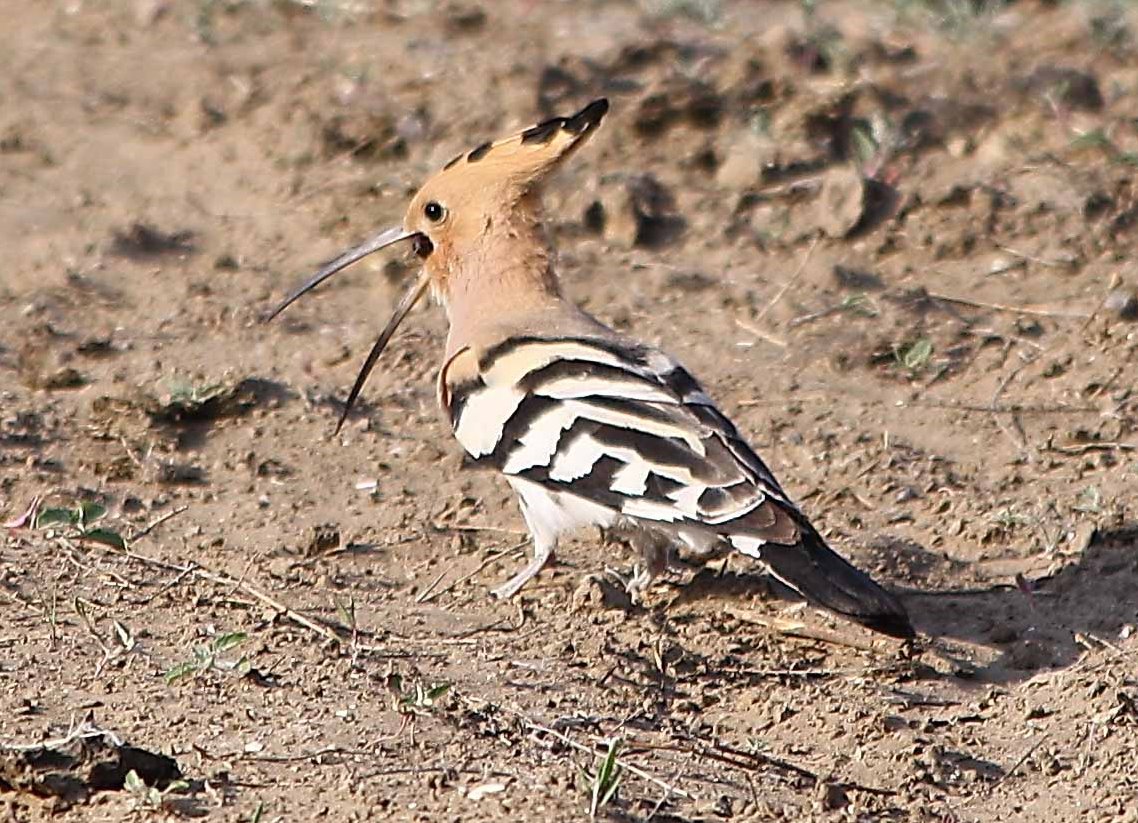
515 583
635 584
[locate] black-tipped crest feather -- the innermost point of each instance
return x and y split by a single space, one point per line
577 124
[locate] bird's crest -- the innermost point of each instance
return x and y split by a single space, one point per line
527 156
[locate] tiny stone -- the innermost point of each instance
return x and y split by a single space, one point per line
832 796
841 203
1123 302
959 146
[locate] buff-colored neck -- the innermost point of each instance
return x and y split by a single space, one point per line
502 282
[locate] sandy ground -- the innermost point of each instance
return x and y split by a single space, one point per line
895 241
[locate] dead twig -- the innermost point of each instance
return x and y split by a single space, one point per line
83 731
1009 408
746 761
177 580
426 592
302 756
481 566
274 604
491 627
1042 261
156 523
1115 280
336 634
1015 766
573 744
1083 448
803 319
791 280
794 628
751 328
473 527
978 304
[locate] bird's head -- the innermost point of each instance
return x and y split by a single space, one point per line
476 217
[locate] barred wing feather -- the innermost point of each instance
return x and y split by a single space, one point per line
626 427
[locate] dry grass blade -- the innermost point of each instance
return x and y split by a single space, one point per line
1026 310
428 597
332 632
790 280
152 525
573 744
795 628
1115 282
751 327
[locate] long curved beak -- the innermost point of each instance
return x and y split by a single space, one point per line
406 302
381 240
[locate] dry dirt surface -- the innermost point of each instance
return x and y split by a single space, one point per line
895 240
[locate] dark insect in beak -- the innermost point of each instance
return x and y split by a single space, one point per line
422 247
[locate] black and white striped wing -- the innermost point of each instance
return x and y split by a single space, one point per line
622 426
629 430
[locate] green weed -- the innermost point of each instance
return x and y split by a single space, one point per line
603 783
80 523
209 658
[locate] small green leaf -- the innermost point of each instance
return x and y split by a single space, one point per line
864 145
612 787
1095 139
916 357
183 671
133 783
607 779
859 304
1089 501
347 612
105 536
225 642
89 512
52 517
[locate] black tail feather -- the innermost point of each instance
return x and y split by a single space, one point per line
825 578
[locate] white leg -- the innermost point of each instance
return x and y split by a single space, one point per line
542 552
544 542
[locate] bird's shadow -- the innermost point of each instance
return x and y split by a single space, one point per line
1046 623
1002 633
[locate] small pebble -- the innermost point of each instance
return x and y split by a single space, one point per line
1122 302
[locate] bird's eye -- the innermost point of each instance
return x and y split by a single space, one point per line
434 212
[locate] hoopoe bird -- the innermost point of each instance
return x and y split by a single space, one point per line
588 425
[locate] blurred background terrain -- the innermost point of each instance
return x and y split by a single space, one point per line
895 240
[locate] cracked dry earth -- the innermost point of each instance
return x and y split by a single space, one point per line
895 240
